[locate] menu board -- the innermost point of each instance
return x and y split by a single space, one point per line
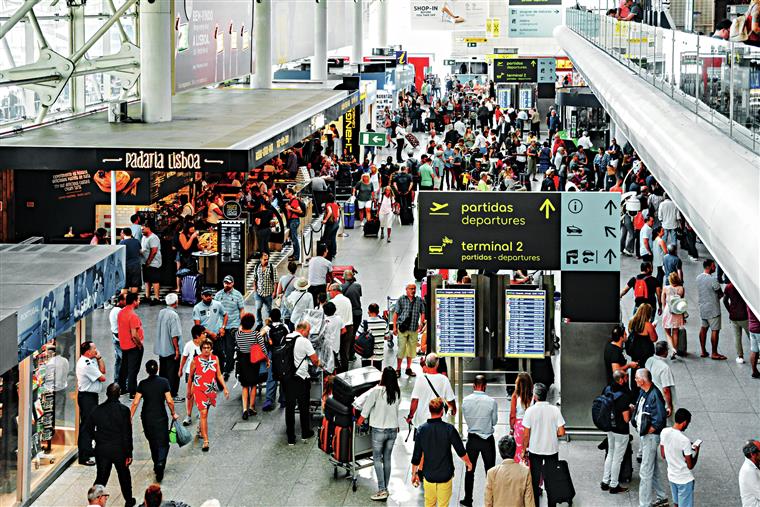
455 322
231 240
525 323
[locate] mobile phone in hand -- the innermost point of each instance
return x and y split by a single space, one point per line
697 443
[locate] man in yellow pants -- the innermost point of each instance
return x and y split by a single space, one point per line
434 441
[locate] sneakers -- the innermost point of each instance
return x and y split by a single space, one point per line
179 399
621 489
379 496
268 406
626 252
693 259
410 373
756 374
663 502
88 463
306 437
739 360
187 421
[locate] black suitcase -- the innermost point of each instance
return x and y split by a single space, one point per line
347 386
558 483
372 227
326 432
407 215
338 413
681 342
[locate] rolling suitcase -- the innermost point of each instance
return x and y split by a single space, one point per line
190 288
681 342
347 386
626 467
341 444
372 227
338 414
349 215
326 432
406 215
337 273
558 483
412 139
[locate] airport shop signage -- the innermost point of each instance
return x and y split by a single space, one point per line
489 230
515 70
573 231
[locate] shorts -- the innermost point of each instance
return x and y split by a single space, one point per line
683 494
133 276
713 323
363 204
151 274
754 342
407 343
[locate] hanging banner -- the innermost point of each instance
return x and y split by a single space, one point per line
351 132
450 15
212 41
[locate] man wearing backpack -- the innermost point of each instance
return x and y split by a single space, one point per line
645 289
619 413
295 376
275 335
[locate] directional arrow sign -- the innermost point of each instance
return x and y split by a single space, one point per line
589 231
610 255
372 139
609 231
547 207
610 206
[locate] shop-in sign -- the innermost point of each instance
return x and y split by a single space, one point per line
455 322
489 230
372 139
515 70
590 231
533 21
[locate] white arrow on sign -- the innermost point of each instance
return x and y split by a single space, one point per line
220 162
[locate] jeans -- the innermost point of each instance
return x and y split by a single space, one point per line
297 391
262 301
272 387
131 360
670 237
230 339
627 234
617 444
117 358
737 326
168 367
649 471
537 464
382 448
218 349
476 446
683 494
293 225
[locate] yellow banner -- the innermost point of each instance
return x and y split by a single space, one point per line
476 39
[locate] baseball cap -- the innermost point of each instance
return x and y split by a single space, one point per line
208 291
229 279
171 299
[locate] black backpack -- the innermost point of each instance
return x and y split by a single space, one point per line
603 409
365 342
283 359
277 332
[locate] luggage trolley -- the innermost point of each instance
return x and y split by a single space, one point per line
361 454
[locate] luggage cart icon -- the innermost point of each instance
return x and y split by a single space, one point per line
438 249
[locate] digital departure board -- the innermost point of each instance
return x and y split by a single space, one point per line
525 323
231 240
455 322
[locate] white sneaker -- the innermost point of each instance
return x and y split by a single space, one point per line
693 259
379 496
739 360
626 252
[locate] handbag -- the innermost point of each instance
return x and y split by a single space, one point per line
257 355
181 434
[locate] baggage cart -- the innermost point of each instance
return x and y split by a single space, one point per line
360 454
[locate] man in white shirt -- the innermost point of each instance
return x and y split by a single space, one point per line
645 238
91 372
113 319
319 267
460 127
585 141
333 325
343 310
668 214
431 385
480 142
298 302
297 387
662 376
749 475
681 456
543 425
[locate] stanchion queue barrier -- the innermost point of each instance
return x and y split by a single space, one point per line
316 226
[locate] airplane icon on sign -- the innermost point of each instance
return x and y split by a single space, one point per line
436 209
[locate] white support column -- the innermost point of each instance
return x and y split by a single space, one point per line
382 31
113 207
262 22
155 61
319 60
357 47
77 41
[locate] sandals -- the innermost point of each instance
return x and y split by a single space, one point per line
410 373
718 357
252 411
205 446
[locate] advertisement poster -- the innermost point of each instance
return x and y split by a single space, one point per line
450 15
163 183
533 21
212 41
43 319
131 186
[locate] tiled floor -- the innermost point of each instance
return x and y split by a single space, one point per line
257 468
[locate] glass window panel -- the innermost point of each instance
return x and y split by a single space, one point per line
8 435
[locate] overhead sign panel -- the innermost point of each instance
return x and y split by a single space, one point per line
590 231
372 139
212 41
455 322
547 70
489 230
525 323
533 21
449 15
533 3
515 70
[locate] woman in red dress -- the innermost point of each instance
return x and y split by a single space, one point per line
205 372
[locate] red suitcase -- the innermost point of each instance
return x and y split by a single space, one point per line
337 273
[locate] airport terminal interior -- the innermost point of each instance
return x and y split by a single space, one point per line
353 252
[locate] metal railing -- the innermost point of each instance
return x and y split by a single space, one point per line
718 80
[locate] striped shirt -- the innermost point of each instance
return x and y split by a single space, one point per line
379 329
232 302
246 339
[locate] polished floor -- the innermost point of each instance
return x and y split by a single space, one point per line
250 464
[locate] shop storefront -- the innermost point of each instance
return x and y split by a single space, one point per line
580 111
43 322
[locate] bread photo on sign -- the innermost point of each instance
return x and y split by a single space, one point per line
123 183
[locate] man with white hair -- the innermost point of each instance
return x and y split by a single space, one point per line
585 141
97 496
168 333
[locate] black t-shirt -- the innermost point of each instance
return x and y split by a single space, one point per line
153 390
266 217
132 247
622 404
612 354
651 290
403 181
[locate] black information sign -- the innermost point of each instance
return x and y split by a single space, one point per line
231 240
232 210
489 230
515 70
